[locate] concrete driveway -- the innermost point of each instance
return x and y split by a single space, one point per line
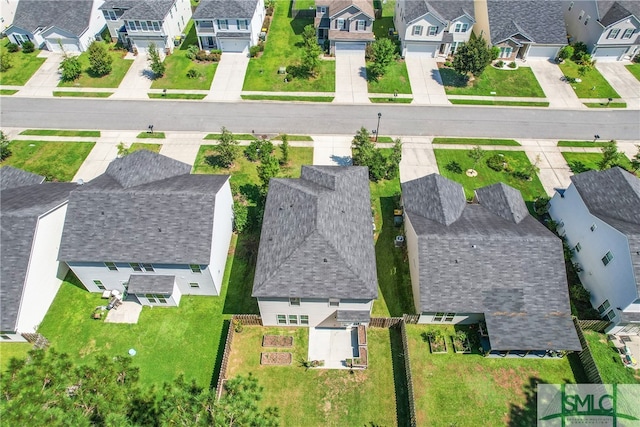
426 82
418 159
559 93
627 86
137 82
46 78
351 77
229 78
332 150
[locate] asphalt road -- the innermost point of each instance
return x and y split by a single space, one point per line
298 118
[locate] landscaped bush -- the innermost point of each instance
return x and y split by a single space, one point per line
521 175
192 50
454 167
254 50
448 64
566 52
193 73
496 162
13 47
201 55
495 52
579 49
70 68
512 64
499 64
28 47
6 61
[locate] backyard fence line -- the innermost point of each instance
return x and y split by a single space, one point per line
594 325
222 376
38 340
407 371
384 322
248 319
303 13
586 358
411 319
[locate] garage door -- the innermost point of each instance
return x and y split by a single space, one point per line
543 52
350 46
609 53
68 45
234 45
420 49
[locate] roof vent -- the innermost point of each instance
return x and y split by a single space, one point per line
473 246
80 181
325 260
159 230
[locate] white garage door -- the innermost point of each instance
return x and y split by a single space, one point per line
543 52
68 45
421 49
234 45
350 46
609 53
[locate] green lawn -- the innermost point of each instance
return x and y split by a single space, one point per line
149 135
384 139
501 103
58 132
287 98
475 141
60 94
113 79
24 65
581 144
7 92
605 104
281 50
472 390
608 360
520 82
12 349
634 69
142 146
58 161
294 138
176 96
591 79
320 397
395 78
381 25
178 65
305 4
517 160
391 100
237 136
579 161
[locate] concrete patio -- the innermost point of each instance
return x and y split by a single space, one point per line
127 312
333 346
632 344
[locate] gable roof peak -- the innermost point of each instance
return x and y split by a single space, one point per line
504 201
434 197
142 167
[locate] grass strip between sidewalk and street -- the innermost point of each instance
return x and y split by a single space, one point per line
58 132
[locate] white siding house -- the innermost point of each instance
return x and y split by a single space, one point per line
346 24
313 312
231 26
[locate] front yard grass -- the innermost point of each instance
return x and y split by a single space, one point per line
287 98
237 136
581 144
486 176
471 390
24 65
395 79
111 80
320 397
500 103
391 100
149 135
60 132
607 358
605 104
63 93
197 96
520 82
57 161
593 85
634 69
475 141
142 146
8 92
580 162
12 349
281 50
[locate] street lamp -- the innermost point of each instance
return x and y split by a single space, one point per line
596 137
378 127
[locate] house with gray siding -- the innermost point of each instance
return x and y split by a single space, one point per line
148 216
487 262
32 214
316 262
599 215
346 24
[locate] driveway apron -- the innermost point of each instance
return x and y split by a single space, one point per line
44 81
418 159
627 86
229 78
558 92
426 82
351 77
137 82
332 150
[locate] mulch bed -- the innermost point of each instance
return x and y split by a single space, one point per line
277 341
275 358
362 335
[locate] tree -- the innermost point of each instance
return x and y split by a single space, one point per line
239 405
6 61
362 148
394 159
122 150
384 54
227 148
476 154
310 50
566 52
532 168
610 156
100 61
635 161
284 149
157 66
268 168
5 151
240 216
70 68
472 56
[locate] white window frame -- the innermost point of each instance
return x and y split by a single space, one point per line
627 33
586 20
304 319
417 30
111 266
194 285
577 247
143 25
607 258
448 317
21 38
571 5
361 25
613 33
223 24
112 15
432 30
195 268
99 285
506 51
438 316
148 267
207 23
135 266
593 227
242 24
604 306
334 302
281 319
611 314
292 319
323 9
581 15
340 24
294 301
156 26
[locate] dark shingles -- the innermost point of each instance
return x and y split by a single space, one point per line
225 9
434 197
140 9
11 177
504 201
615 11
317 237
542 21
143 167
69 15
355 316
442 10
151 283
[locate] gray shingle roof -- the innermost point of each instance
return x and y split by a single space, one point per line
222 9
542 21
613 11
484 263
137 219
141 9
20 209
443 10
11 177
434 197
337 6
317 237
69 15
151 284
355 316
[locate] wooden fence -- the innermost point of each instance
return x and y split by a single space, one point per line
384 322
586 358
248 319
411 319
38 340
222 376
407 371
594 325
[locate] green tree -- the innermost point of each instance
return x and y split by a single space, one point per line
362 148
384 54
635 161
284 150
240 216
472 56
5 151
268 168
239 405
610 156
122 150
100 61
157 66
476 154
310 50
394 159
533 169
566 52
6 61
70 68
227 148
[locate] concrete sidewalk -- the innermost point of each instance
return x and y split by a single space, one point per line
229 78
137 82
559 93
426 82
625 83
418 159
351 78
332 150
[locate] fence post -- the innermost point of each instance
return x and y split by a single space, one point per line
586 358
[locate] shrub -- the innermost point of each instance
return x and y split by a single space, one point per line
70 68
521 175
327 47
5 151
261 46
512 64
253 51
579 48
6 61
214 57
28 47
252 152
368 52
448 64
201 55
193 73
12 47
495 52
499 64
496 162
566 52
191 51
454 167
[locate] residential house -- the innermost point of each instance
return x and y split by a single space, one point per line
316 262
139 23
526 29
487 262
229 25
57 25
610 29
599 215
32 214
149 228
433 27
347 24
7 13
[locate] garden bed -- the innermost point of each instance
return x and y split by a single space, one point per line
437 344
275 358
277 341
362 335
461 345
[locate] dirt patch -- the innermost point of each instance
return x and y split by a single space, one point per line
88 349
277 341
275 358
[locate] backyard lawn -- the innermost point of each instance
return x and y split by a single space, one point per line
113 79
475 141
396 78
520 82
608 360
57 161
517 160
142 146
634 69
381 25
12 349
590 80
581 162
320 397
472 390
24 65
281 50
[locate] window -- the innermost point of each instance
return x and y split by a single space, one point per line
505 52
438 317
195 268
222 24
604 306
99 284
571 6
461 28
593 227
449 317
293 319
171 13
131 25
454 46
21 38
417 30
110 15
144 26
135 266
5 337
613 33
627 33
360 25
581 15
242 24
111 266
610 315
156 26
334 302
607 258
577 247
304 319
205 24
433 30
194 285
586 21
147 267
322 9
281 319
294 301
182 18
340 24
156 298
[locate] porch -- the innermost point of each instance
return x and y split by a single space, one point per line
339 348
629 348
